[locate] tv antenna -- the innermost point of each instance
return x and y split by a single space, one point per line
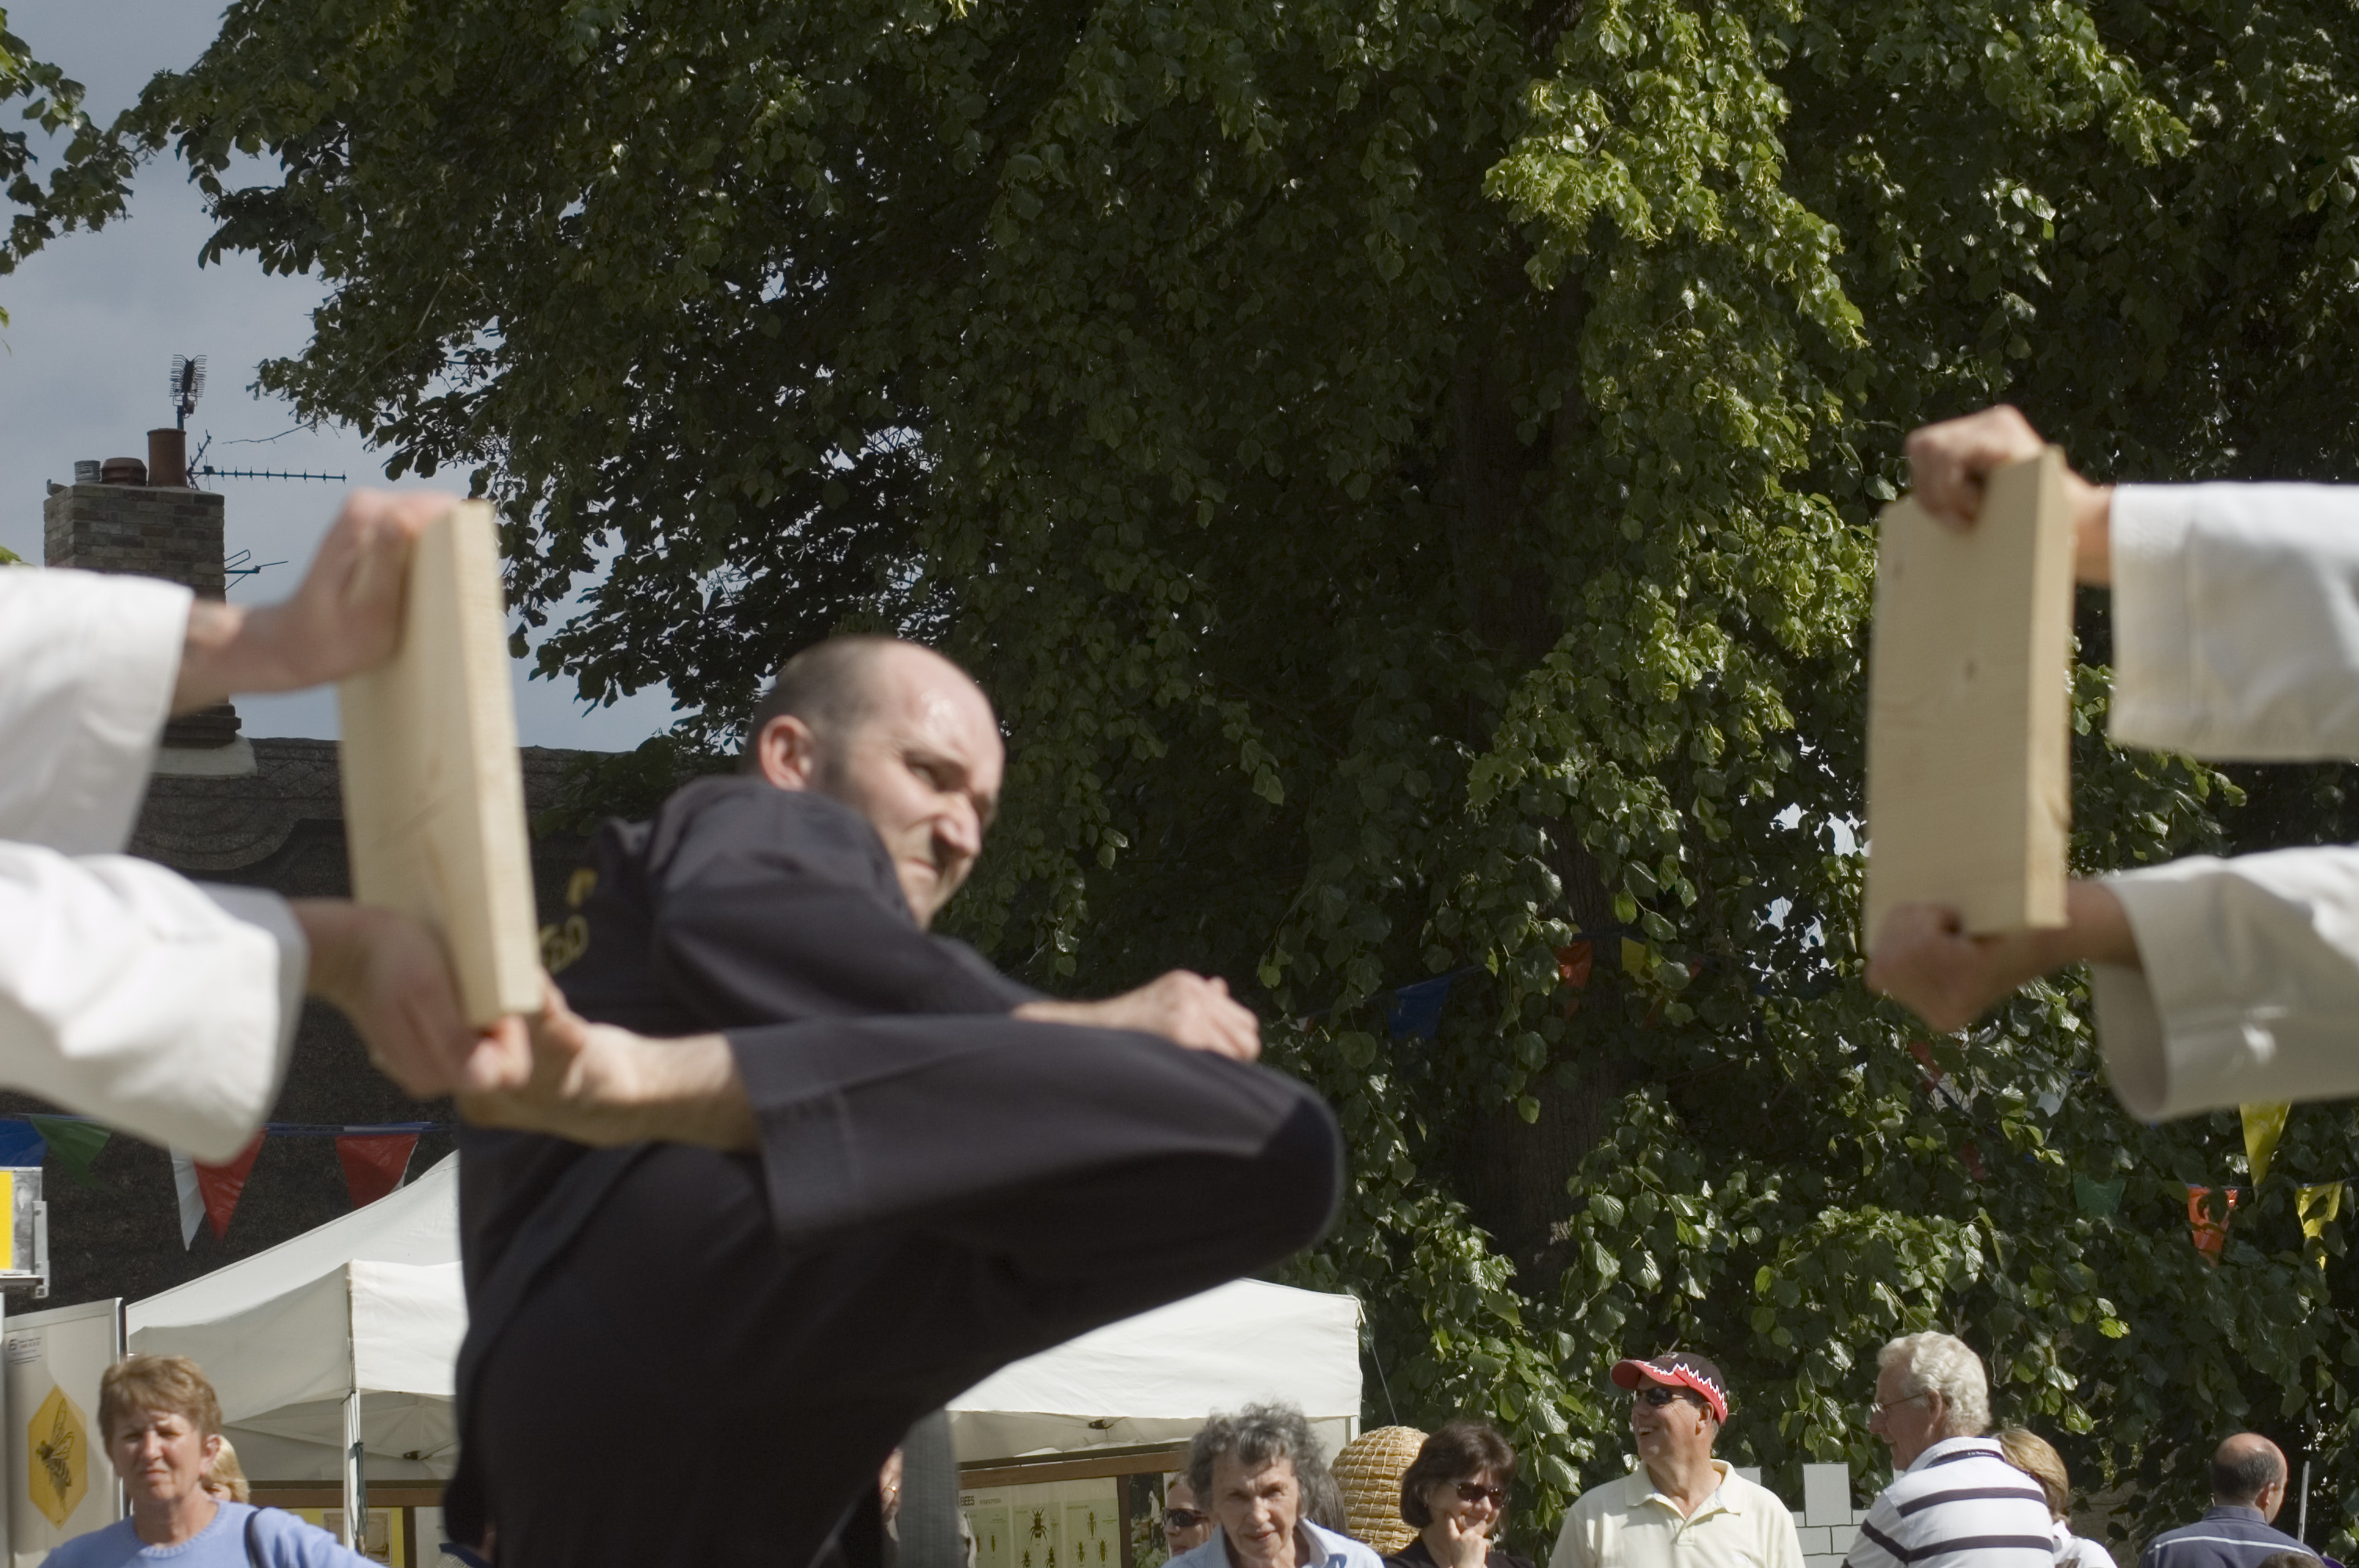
242 565
198 466
188 385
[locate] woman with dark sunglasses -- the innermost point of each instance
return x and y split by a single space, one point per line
1455 1493
1187 1525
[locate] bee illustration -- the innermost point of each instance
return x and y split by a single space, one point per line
56 1451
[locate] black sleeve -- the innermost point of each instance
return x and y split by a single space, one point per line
772 905
889 1120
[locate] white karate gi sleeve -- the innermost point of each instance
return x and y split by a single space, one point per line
2235 612
127 993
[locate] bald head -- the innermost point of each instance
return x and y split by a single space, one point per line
828 686
2249 1471
902 736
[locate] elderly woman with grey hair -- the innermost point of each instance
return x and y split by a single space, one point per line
1260 1474
1954 1501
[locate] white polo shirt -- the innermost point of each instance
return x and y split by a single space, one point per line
1628 1524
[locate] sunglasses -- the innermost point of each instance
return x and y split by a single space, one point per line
1658 1398
1183 1518
1476 1492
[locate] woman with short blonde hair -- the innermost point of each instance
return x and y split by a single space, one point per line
226 1477
160 1421
2037 1457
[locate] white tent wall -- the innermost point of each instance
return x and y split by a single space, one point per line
1154 1378
371 1300
283 1368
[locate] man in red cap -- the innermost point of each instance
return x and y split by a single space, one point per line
1679 1508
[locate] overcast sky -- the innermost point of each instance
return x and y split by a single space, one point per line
94 323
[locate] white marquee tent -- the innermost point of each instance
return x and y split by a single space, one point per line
360 1321
1154 1378
370 1304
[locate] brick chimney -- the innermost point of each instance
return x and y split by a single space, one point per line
152 531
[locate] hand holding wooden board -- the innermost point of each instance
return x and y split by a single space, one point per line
433 787
1969 784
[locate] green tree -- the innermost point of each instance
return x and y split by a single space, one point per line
92 176
1406 473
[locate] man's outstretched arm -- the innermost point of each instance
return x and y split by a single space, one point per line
600 1085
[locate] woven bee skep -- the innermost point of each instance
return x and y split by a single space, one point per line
1369 1470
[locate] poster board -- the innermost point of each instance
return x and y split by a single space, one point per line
433 787
60 1483
1969 784
386 1540
1056 1524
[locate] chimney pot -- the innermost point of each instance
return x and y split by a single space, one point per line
86 472
123 471
167 458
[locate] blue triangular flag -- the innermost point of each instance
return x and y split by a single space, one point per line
1417 1010
21 1143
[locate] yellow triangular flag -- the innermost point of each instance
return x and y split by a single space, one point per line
2263 1125
2316 1206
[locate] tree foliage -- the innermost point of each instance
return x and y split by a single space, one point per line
93 175
1404 472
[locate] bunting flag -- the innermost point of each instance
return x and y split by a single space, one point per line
1574 961
373 1164
192 1201
2210 1234
2317 1205
211 1191
2099 1198
21 1144
74 1141
376 1159
2263 1125
1416 1010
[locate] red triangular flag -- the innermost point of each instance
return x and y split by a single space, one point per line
222 1185
373 1164
2207 1224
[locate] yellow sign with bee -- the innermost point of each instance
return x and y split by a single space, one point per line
57 1456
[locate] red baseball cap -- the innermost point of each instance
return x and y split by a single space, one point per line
1682 1368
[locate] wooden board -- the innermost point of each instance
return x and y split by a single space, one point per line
433 787
1969 784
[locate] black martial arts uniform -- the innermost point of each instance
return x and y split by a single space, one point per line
680 1356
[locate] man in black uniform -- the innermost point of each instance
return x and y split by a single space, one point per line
867 1170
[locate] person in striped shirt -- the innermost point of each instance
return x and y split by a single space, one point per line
1954 1501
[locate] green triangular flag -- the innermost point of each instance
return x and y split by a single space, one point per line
75 1144
2096 1197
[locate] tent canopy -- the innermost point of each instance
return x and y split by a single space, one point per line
1154 1378
374 1301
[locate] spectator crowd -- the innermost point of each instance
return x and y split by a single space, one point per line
1258 1493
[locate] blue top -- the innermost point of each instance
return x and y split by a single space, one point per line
1340 1550
2227 1537
285 1541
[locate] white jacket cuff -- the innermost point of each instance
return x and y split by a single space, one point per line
2237 620
128 994
92 661
2249 980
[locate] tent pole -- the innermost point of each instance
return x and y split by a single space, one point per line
355 1483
